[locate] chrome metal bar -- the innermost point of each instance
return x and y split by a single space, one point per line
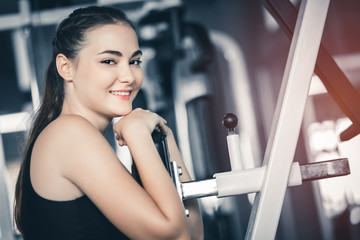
199 189
175 174
246 181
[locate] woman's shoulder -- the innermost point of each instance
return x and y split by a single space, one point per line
69 142
61 150
66 131
72 122
69 125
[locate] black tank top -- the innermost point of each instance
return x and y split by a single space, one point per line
77 219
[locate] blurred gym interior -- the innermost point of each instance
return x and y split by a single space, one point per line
203 59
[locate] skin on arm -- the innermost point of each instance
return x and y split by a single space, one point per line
88 161
194 220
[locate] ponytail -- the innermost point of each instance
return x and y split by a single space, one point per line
49 110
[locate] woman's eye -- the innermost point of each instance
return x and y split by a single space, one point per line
135 62
108 61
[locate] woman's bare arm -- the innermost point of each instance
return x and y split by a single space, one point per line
152 212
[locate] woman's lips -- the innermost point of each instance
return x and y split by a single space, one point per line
123 94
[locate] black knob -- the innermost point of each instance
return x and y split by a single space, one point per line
230 121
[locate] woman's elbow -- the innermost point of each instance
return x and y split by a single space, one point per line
177 231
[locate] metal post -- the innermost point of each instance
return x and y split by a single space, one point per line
287 120
5 212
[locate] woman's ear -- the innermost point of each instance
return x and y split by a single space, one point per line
64 67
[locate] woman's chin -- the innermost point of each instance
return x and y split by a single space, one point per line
123 112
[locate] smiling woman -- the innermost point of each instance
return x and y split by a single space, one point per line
110 53
71 184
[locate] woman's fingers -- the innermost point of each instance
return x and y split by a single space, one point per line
121 142
163 120
135 119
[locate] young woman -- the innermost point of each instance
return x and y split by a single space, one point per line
71 184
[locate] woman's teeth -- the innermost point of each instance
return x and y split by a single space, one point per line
120 93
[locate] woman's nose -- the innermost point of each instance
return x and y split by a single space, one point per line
126 75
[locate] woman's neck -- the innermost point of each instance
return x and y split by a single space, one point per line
99 121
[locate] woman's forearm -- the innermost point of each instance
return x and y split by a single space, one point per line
155 179
194 220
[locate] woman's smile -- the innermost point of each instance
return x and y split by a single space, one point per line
122 94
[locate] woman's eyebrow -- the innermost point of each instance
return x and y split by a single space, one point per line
136 53
113 52
119 54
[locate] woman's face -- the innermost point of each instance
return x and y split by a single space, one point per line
107 73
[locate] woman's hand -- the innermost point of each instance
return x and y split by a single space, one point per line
137 122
